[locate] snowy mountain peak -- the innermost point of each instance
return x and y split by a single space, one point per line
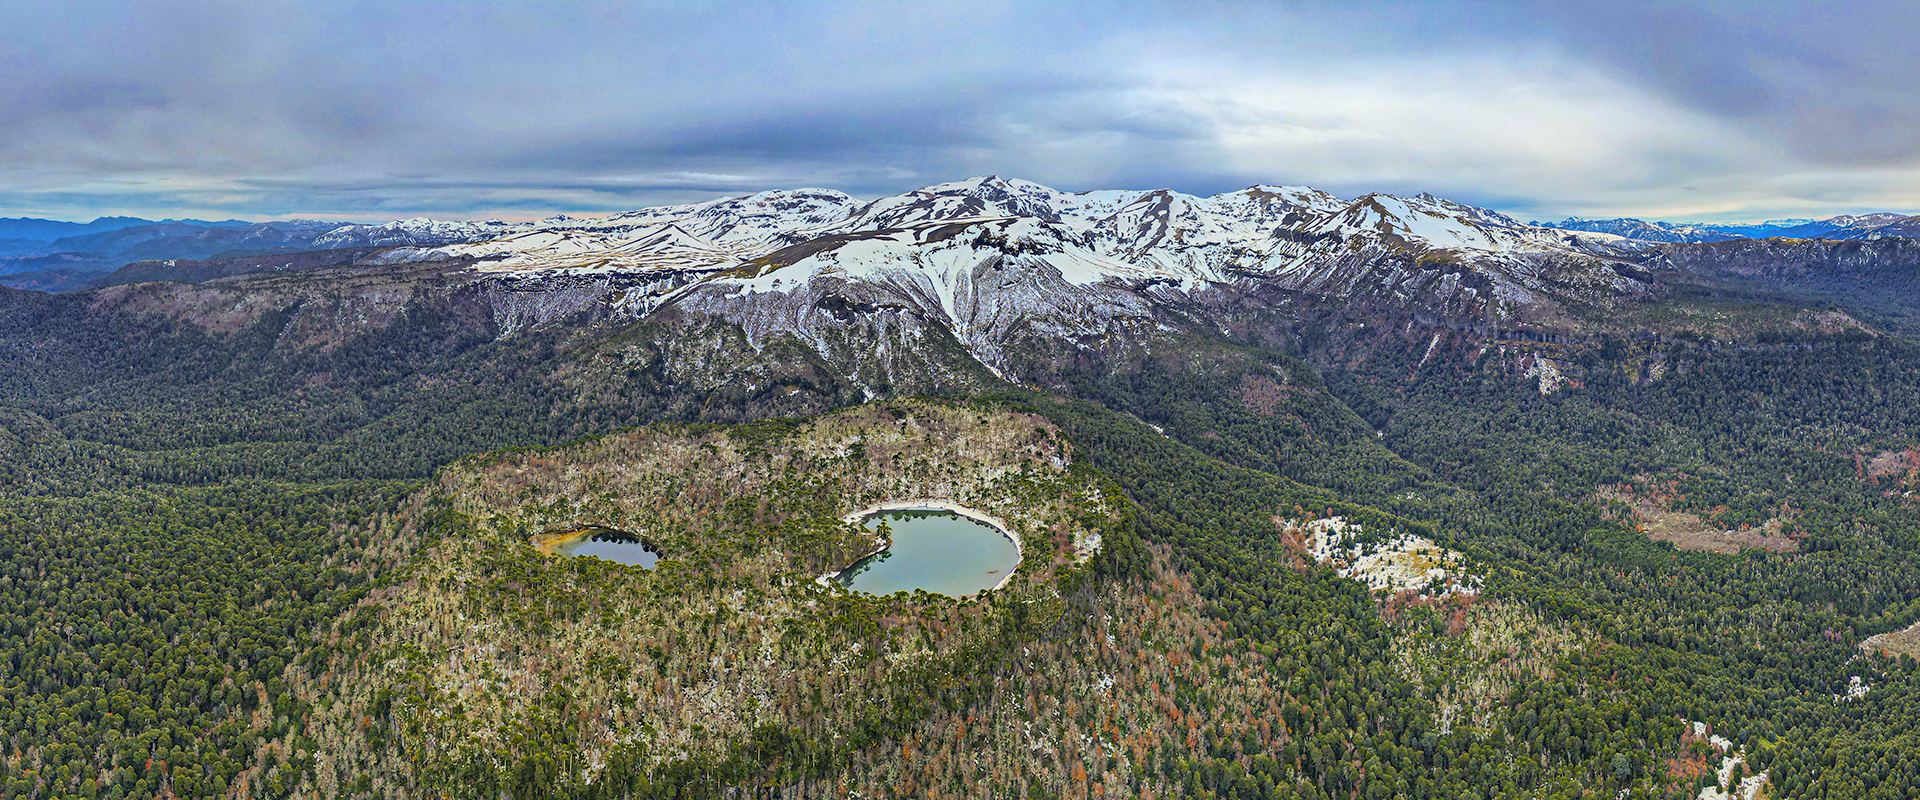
994 187
975 197
931 241
1427 222
1304 198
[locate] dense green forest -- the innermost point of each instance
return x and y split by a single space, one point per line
191 517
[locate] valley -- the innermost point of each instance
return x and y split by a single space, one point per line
1310 498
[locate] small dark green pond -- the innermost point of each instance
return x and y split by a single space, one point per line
613 545
937 551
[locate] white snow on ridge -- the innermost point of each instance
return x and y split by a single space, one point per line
656 248
1646 233
420 232
989 196
1178 232
952 247
982 279
748 225
1092 206
1440 224
1300 235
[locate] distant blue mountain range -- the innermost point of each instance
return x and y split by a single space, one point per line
47 230
36 245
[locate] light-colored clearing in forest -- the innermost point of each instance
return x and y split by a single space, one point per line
1893 462
1402 563
1690 532
1895 642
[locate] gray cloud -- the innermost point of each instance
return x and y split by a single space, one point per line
374 110
1833 82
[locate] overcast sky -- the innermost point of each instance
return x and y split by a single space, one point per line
377 110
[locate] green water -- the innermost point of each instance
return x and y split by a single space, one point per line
937 551
613 545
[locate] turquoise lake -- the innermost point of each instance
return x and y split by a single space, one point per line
613 545
936 551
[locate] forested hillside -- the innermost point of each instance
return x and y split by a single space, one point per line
240 547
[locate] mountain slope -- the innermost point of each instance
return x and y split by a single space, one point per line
980 280
1877 226
1437 258
1840 224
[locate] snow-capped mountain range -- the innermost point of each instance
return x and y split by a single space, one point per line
1845 226
990 260
1162 228
1006 275
1871 226
1167 234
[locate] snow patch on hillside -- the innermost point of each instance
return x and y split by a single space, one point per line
651 249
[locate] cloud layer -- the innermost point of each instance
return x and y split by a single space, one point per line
364 110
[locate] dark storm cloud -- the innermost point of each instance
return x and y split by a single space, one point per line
454 109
